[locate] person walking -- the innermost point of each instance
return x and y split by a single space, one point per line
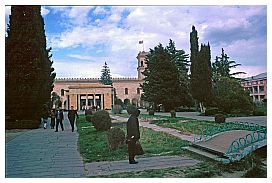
72 114
133 133
53 118
45 115
59 119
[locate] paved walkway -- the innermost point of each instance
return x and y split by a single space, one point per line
44 153
159 162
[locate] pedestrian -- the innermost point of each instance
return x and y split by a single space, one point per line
72 114
53 118
133 133
45 115
59 119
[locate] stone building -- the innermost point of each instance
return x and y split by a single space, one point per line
83 93
257 86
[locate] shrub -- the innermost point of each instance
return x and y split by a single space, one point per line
258 113
101 120
173 113
131 109
116 138
211 111
220 118
185 109
117 109
89 118
151 112
88 112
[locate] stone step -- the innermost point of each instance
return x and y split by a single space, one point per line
207 154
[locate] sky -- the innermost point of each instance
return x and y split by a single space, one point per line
83 38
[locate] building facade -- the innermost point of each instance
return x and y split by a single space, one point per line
257 86
83 93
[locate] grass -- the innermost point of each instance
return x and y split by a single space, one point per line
94 147
198 126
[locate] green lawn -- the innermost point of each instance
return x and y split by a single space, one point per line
198 126
94 147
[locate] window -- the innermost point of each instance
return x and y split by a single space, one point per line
261 89
255 89
126 91
62 92
142 63
138 90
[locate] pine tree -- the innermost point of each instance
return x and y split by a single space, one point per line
105 76
180 59
29 72
161 83
222 65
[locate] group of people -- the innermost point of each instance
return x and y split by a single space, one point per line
57 118
133 132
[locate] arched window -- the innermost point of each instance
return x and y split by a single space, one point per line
142 63
126 91
138 90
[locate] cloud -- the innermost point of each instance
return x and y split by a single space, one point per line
111 33
44 11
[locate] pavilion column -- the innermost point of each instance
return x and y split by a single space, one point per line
102 101
86 106
94 100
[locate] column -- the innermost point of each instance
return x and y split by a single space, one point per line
78 102
102 101
94 100
86 106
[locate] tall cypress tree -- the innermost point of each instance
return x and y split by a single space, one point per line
29 72
105 76
201 81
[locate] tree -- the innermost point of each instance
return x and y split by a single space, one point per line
229 95
201 75
202 81
29 72
162 83
105 76
222 65
180 59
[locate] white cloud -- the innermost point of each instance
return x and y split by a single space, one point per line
44 11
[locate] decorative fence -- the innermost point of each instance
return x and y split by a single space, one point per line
240 147
243 146
212 131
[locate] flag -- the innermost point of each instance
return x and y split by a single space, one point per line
141 42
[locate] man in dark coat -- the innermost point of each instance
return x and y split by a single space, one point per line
59 119
72 114
133 133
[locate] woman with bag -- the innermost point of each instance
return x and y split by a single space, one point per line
133 135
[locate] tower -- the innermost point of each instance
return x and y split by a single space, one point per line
141 64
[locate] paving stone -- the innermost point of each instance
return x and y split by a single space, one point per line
44 153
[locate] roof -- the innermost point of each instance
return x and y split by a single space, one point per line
257 77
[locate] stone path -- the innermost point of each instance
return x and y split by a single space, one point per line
162 162
44 153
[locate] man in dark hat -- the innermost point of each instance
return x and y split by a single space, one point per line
133 133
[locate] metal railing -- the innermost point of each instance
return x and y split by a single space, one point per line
243 146
228 126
